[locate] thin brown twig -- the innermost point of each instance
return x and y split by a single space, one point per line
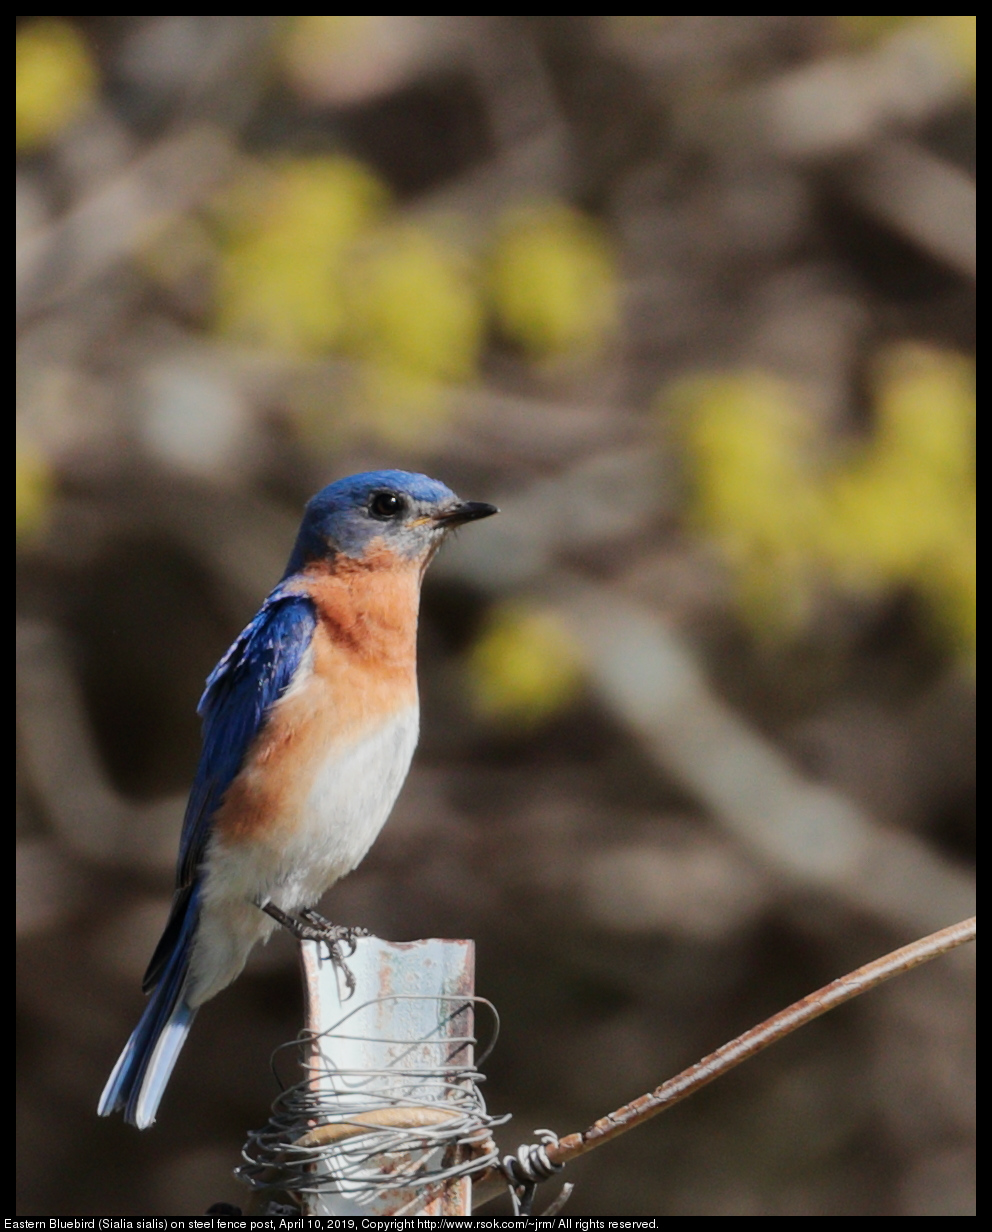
697 1076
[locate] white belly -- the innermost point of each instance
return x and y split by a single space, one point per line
350 798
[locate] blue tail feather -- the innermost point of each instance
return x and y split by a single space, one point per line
139 1078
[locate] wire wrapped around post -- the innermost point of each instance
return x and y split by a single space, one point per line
387 1116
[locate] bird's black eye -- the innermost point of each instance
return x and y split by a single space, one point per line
386 505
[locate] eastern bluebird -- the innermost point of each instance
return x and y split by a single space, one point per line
309 723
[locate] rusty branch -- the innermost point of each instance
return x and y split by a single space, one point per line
697 1076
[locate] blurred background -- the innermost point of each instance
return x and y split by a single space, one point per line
692 299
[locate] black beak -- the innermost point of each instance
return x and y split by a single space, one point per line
467 511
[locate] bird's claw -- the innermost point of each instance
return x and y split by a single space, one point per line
310 925
336 937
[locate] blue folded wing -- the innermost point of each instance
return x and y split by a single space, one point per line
240 691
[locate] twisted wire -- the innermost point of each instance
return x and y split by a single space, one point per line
531 1165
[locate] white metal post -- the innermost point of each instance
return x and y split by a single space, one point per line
406 1015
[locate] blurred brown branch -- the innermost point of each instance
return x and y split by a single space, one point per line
61 259
802 830
645 672
88 817
923 197
841 104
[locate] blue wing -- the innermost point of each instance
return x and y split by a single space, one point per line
240 691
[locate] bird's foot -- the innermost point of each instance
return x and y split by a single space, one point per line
310 925
336 937
334 933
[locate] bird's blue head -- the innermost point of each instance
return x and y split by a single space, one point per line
407 514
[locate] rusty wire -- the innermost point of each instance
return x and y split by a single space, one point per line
730 1055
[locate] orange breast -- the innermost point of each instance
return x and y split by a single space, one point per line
360 673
